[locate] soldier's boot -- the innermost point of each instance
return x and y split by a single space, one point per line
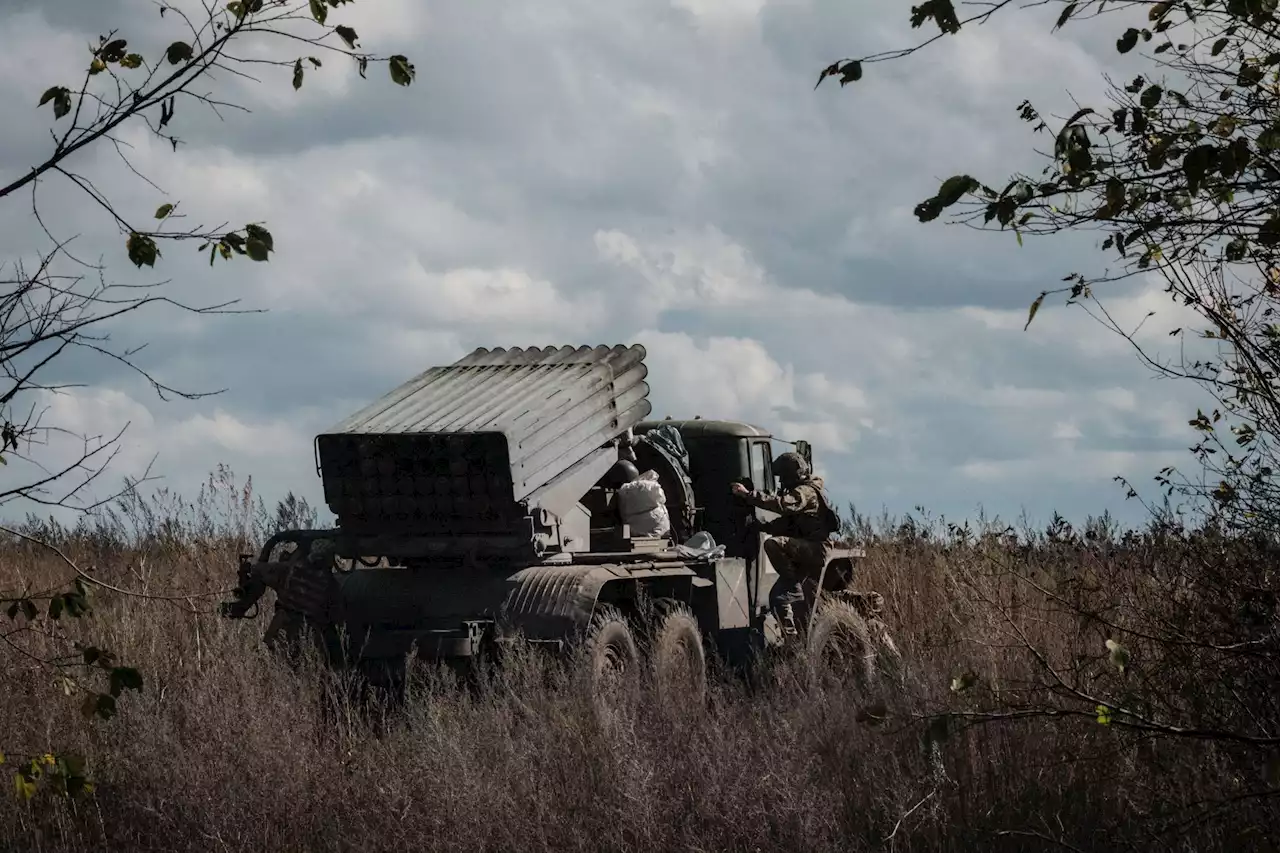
787 622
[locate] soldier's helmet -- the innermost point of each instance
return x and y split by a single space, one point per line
791 468
623 471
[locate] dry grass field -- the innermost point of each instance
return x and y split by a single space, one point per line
226 748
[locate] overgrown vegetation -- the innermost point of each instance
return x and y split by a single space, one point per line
229 748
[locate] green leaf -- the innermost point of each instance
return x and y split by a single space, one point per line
830 71
73 764
1031 314
954 188
26 790
97 66
941 11
346 34
142 250
1119 655
1250 75
1151 96
1104 715
262 235
1195 165
55 607
100 705
113 51
314 61
12 611
61 97
1128 41
178 53
1115 199
163 210
91 655
29 609
319 11
125 678
297 74
1219 46
77 603
1223 125
1066 13
1269 232
256 250
133 60
402 70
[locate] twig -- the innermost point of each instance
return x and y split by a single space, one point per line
908 814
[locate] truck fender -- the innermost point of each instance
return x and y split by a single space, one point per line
556 602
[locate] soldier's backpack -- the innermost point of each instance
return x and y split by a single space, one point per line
828 521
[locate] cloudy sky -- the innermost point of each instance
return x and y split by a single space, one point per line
651 171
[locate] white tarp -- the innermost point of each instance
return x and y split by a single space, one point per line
643 506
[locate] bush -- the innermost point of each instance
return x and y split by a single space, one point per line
230 748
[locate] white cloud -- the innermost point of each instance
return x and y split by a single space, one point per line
495 299
721 13
653 172
737 379
162 440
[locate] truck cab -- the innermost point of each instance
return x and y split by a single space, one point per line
720 454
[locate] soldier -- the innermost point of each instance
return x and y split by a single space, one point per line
797 544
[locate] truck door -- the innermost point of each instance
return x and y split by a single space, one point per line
761 462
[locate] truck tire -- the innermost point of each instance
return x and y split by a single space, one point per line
840 648
678 657
890 665
612 660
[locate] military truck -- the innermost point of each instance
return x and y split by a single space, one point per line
476 507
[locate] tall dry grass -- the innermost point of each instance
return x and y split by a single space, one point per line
227 747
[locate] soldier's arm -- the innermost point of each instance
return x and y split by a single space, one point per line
783 503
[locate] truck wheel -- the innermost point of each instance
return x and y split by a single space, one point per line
840 647
678 657
612 659
889 661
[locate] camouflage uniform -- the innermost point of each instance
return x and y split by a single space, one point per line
797 545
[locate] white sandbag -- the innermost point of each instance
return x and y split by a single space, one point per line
642 505
655 522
